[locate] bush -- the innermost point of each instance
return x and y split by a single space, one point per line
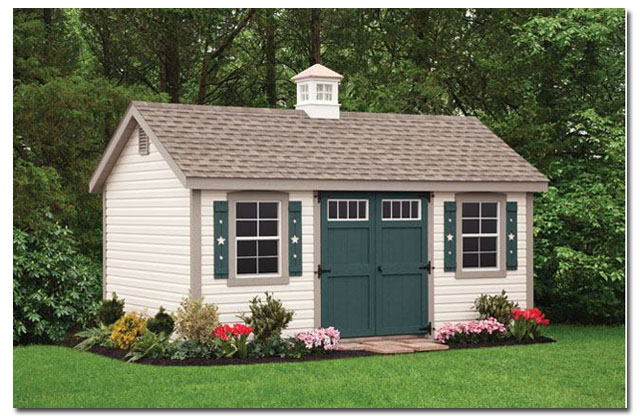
319 340
527 323
497 306
100 335
276 346
471 332
267 319
195 349
151 345
161 323
196 320
127 329
111 310
55 289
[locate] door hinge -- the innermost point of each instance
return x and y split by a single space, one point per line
321 270
427 328
427 267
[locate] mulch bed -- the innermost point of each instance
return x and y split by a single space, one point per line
508 341
330 355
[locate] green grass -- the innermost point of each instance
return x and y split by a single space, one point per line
585 368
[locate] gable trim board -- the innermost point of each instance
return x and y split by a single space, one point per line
158 233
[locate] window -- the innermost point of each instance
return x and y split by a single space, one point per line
324 92
304 92
480 235
401 209
348 209
143 142
257 238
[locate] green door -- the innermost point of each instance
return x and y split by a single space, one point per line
374 258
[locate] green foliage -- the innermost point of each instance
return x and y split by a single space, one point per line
151 345
496 306
127 329
196 320
55 288
111 310
268 318
276 346
100 335
195 349
161 323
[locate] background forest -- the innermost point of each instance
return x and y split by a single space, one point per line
551 83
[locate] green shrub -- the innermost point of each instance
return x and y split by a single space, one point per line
127 329
55 288
111 310
161 323
100 335
195 349
496 306
196 320
151 345
267 319
276 346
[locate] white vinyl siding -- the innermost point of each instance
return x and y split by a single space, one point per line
453 298
146 231
234 300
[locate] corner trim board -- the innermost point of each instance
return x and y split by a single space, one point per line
195 243
530 243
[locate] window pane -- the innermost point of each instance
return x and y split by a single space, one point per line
246 228
333 209
414 209
386 209
489 226
353 209
246 248
268 228
406 209
470 244
268 248
470 260
490 209
268 210
487 259
247 266
488 244
342 209
396 209
470 209
268 265
470 226
362 209
246 210
320 87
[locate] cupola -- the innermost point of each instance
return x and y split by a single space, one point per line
317 90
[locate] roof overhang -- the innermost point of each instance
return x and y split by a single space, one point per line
130 120
363 185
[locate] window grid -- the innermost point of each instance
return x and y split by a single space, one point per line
324 92
401 209
257 238
304 92
480 242
348 210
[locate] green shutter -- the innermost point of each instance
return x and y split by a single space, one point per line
221 239
295 238
450 236
512 236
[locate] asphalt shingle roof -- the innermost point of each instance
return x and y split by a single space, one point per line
261 143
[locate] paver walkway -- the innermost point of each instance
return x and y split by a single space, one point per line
401 344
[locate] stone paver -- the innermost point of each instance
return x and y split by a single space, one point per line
384 345
425 345
387 347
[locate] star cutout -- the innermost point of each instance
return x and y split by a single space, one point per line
449 237
295 239
511 236
221 240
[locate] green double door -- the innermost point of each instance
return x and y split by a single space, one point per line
374 262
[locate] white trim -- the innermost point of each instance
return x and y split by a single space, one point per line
257 238
348 200
418 218
480 234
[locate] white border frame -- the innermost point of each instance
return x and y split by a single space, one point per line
278 237
496 235
401 200
347 200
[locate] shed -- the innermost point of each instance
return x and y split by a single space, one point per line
375 224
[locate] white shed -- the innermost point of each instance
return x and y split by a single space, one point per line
373 223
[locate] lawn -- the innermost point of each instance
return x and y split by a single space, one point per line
585 368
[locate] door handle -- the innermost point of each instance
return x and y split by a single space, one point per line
321 270
379 268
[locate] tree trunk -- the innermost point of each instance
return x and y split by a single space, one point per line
47 17
270 53
170 59
315 37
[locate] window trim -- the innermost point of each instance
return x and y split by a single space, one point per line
347 200
282 277
401 200
485 272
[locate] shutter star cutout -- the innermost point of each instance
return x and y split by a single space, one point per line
449 237
221 240
511 236
294 239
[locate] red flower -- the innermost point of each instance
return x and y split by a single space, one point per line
221 332
531 314
240 329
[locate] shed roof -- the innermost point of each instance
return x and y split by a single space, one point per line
317 71
211 142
